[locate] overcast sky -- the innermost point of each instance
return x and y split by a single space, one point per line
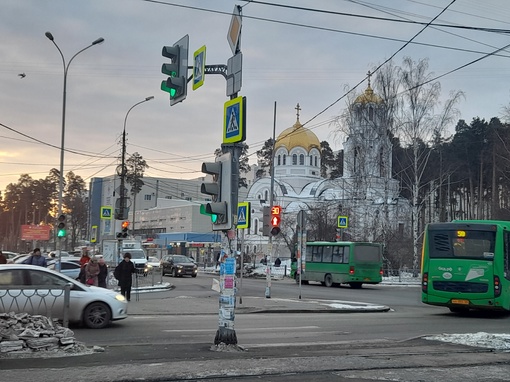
290 56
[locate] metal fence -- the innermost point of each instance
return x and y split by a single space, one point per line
50 301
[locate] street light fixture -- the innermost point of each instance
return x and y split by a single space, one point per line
66 68
123 171
120 212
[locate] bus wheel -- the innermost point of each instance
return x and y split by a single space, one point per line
457 309
356 285
328 280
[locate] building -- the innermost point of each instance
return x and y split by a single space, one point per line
365 193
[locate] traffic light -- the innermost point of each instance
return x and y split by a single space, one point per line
177 83
276 219
61 227
124 232
220 189
266 221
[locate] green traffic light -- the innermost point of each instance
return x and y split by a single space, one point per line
61 233
214 218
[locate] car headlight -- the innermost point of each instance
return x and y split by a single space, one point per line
149 266
120 297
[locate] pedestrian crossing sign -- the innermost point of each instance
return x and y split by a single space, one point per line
243 215
343 221
234 120
106 213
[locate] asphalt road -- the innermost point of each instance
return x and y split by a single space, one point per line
277 346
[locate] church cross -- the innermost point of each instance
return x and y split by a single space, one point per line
298 109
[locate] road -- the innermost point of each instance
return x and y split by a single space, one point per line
278 347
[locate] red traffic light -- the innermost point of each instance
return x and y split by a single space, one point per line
275 221
125 225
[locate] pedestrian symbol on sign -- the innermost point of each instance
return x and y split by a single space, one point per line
342 222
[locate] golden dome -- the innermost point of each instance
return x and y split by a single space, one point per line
368 97
297 136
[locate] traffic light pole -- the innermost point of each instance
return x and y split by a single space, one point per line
271 203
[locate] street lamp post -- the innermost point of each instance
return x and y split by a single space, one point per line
122 173
66 68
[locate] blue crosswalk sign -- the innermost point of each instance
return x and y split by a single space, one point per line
243 215
343 221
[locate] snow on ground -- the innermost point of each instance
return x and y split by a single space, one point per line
480 339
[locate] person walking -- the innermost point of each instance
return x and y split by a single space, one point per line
36 259
102 277
92 271
123 272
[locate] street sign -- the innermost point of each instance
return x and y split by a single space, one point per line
343 222
198 68
234 31
35 232
93 234
106 213
243 215
234 120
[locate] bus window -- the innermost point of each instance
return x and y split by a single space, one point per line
367 254
327 254
338 255
316 254
474 245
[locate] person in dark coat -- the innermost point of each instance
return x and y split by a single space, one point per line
103 274
123 272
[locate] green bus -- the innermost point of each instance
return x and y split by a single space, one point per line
343 262
466 265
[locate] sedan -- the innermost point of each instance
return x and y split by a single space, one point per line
35 290
67 267
178 265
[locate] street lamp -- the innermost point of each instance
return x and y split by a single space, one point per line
123 170
66 68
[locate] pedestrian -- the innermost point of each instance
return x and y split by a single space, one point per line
102 277
3 258
277 262
35 258
84 259
123 273
92 271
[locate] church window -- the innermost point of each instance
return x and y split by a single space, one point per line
357 158
279 159
301 160
315 160
256 226
294 159
381 162
284 159
266 195
370 113
311 160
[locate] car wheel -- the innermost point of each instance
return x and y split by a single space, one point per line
194 275
174 273
97 315
328 280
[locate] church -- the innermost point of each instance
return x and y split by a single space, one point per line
366 193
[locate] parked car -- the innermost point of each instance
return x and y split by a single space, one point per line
178 265
19 259
67 267
10 255
92 306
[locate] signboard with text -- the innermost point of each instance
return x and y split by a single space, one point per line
35 232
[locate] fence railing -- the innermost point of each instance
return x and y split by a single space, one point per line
50 301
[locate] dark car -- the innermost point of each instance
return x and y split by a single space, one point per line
178 265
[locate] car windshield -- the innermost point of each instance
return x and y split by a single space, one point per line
181 259
137 254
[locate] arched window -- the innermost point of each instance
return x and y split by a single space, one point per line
301 160
370 113
311 160
357 152
294 159
266 195
315 160
256 226
279 159
284 159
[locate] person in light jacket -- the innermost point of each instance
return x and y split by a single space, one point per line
92 271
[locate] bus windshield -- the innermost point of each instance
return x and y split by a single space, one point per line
468 244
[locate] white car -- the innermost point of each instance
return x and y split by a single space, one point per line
92 306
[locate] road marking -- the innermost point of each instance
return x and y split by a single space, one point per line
294 328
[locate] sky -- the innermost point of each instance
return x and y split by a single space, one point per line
307 56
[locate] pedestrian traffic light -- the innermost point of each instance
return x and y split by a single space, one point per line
177 83
275 220
124 232
61 227
220 189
